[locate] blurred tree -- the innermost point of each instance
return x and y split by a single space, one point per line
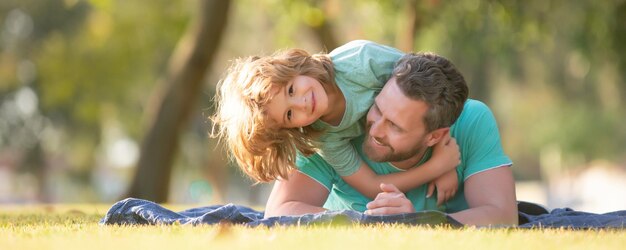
405 36
553 72
318 21
291 17
619 39
176 96
27 25
98 76
79 58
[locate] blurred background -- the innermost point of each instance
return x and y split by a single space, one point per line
105 99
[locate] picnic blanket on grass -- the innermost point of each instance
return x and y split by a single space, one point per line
133 211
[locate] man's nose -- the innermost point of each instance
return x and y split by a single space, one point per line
376 129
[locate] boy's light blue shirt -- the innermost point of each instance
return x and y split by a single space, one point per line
478 138
361 70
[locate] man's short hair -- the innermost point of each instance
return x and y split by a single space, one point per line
435 80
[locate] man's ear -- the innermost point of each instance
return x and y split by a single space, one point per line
436 135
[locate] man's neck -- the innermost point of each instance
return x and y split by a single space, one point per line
411 162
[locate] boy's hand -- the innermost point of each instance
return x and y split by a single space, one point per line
446 155
447 185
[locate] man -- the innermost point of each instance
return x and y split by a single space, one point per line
418 108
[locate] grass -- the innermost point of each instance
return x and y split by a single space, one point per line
76 227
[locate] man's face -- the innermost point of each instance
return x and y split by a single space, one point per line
395 126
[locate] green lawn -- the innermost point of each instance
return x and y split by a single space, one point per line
76 227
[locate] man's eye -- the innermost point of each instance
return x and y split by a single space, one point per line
375 107
289 115
290 91
396 128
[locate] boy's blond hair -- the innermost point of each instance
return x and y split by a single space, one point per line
262 150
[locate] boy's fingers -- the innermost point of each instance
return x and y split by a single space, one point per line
431 189
440 197
446 139
389 188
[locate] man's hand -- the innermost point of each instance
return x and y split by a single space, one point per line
447 185
389 201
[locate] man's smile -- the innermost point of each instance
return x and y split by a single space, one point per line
377 142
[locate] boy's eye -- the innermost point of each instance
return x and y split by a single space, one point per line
289 115
290 91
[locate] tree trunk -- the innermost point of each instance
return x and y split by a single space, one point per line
324 31
216 172
176 96
619 43
325 36
405 38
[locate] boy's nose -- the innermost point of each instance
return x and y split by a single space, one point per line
299 103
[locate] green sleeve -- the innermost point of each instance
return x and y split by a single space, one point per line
481 147
365 63
342 156
316 168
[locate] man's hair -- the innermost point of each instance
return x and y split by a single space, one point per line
263 150
435 80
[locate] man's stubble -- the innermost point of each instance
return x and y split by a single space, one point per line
389 153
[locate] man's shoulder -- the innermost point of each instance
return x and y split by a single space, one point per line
474 106
476 132
474 112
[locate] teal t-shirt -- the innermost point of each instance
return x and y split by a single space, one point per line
476 133
361 70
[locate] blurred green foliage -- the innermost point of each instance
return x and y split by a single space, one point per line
552 71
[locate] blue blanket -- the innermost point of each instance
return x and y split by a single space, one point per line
142 212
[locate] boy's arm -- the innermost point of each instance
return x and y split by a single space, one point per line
300 194
446 184
445 157
367 182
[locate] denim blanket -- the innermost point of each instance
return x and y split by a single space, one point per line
142 212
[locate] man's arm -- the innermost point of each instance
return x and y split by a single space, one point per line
489 194
300 194
491 197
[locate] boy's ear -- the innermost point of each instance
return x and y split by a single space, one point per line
435 136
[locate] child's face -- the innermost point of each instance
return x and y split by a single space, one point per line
299 103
